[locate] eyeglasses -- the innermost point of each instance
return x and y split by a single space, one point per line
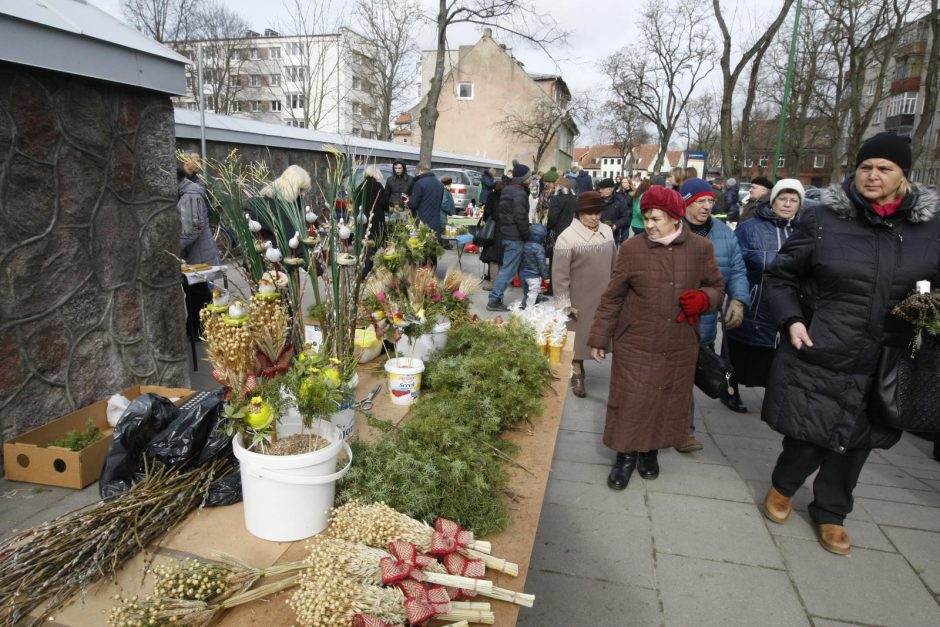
788 201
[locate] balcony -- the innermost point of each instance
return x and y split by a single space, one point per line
899 122
902 85
918 47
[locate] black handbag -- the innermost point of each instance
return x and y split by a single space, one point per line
485 235
713 371
905 388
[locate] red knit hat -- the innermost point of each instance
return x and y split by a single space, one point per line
663 198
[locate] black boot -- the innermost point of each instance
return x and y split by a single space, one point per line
619 475
649 464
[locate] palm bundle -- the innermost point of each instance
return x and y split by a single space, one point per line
328 597
377 524
43 567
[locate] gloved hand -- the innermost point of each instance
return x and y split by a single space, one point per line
735 314
694 303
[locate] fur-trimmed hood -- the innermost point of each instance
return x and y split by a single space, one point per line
293 183
921 204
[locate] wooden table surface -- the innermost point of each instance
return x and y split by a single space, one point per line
222 529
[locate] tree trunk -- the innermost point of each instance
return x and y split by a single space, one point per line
427 119
921 137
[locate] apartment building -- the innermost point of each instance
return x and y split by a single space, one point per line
324 82
900 100
484 86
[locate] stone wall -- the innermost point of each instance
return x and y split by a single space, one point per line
90 300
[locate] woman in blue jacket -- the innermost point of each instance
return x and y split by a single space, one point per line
752 345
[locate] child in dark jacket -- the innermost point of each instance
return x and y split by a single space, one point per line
534 268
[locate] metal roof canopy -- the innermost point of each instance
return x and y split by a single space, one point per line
74 37
224 128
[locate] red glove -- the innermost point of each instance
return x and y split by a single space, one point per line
693 303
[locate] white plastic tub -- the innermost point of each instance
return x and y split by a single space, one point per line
404 379
426 344
288 497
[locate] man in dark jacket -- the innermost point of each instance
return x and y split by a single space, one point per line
427 193
513 219
398 186
487 183
617 214
732 200
583 182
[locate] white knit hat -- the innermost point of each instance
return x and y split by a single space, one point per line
787 185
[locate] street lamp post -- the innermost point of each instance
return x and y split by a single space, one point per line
794 41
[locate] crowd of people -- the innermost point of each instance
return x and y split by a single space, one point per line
802 291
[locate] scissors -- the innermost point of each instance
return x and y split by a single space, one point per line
366 403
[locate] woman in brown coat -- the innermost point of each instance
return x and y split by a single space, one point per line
663 281
583 259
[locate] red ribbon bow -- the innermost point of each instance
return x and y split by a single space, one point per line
457 564
251 384
270 369
448 537
368 620
423 603
406 563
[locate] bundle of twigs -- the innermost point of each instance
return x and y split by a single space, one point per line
41 568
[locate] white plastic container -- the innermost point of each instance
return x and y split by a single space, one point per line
404 379
426 344
288 497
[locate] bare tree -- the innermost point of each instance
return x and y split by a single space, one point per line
700 124
518 18
163 20
222 31
389 27
539 126
624 128
922 134
313 80
676 53
731 75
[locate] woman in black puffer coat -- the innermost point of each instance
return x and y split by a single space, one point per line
831 289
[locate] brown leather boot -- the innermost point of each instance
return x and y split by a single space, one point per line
577 385
777 506
834 539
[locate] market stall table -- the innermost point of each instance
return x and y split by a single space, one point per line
210 531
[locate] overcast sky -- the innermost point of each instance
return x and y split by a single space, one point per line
597 29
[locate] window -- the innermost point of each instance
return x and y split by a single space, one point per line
763 161
296 101
192 106
256 80
235 80
903 104
465 91
819 161
254 54
870 88
876 119
357 84
236 106
293 48
748 162
356 131
274 53
780 162
235 54
275 80
297 123
356 108
276 105
295 73
256 106
901 68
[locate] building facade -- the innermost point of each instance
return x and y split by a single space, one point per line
484 86
604 161
900 100
324 82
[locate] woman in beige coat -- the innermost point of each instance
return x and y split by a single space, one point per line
663 281
583 258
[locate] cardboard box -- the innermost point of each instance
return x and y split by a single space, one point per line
28 458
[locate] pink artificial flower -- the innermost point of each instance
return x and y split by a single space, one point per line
436 298
459 295
380 296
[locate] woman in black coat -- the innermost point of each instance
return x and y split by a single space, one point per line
831 289
492 255
372 201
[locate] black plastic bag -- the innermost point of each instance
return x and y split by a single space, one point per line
154 429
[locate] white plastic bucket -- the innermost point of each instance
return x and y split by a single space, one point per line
288 497
426 344
404 379
291 422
